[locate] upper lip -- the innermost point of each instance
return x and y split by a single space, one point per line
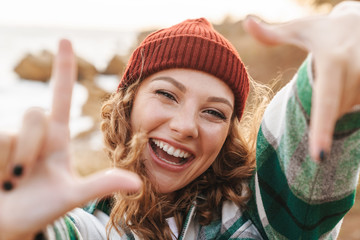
176 145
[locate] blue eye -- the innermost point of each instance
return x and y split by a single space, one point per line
166 94
216 114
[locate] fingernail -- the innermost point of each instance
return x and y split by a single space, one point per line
18 170
7 186
39 236
322 155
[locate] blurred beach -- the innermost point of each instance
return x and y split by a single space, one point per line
17 95
98 29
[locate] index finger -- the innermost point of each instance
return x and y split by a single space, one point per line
64 75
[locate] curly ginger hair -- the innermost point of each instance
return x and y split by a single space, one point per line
145 213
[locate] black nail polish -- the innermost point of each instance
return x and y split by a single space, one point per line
39 236
18 170
322 155
7 186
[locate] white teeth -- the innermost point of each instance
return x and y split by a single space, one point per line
171 150
177 153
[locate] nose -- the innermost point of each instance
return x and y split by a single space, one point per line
184 123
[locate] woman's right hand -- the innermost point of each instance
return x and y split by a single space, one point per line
38 184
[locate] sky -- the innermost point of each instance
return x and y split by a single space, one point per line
138 14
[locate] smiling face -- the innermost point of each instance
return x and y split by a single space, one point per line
186 114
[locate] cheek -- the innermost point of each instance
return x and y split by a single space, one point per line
146 115
214 141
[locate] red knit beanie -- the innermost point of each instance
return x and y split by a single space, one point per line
193 44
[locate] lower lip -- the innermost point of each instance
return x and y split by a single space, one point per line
165 165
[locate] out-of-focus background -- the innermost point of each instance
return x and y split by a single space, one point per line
104 33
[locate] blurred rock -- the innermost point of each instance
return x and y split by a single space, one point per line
35 67
86 70
95 99
38 67
116 66
86 159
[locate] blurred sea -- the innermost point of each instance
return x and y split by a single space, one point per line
17 95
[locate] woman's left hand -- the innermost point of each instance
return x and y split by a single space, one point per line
333 40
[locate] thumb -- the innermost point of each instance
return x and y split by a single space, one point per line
104 183
281 33
260 30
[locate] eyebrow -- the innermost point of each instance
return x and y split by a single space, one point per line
220 100
177 84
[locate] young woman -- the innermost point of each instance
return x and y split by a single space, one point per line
175 122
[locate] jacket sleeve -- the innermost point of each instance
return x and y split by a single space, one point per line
77 225
293 197
82 224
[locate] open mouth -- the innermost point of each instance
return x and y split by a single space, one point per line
169 154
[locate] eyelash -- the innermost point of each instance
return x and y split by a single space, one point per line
166 94
170 96
216 114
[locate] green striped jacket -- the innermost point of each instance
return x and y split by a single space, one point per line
293 197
